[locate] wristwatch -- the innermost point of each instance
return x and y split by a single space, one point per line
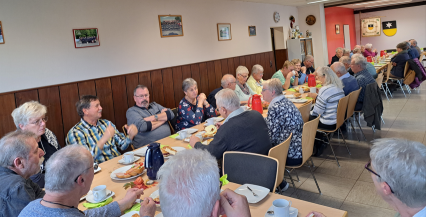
156 117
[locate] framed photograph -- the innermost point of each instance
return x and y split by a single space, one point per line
371 27
86 38
170 25
337 29
252 30
1 34
224 31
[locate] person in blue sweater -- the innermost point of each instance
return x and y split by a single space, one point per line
399 60
349 82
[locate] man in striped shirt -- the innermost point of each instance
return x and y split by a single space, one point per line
363 77
99 136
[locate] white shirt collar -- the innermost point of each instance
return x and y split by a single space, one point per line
345 76
421 213
234 113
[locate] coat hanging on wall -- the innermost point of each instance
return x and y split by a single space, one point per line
389 28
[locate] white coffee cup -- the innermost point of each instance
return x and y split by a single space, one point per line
128 157
301 91
313 90
182 134
99 193
294 72
210 121
281 208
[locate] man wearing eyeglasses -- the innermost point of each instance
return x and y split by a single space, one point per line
150 119
307 64
398 170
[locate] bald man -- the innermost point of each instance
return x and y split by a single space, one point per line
228 81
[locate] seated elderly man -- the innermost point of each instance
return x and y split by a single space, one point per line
196 194
346 52
20 158
99 136
412 52
357 49
287 75
398 168
228 81
69 176
255 80
413 44
349 82
307 64
232 134
336 58
149 118
347 63
358 66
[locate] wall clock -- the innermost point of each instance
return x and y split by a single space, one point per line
310 20
276 17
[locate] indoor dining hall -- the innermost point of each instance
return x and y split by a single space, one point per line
232 108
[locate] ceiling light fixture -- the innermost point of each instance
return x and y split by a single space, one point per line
317 1
371 2
388 4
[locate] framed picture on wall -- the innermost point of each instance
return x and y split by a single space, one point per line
337 29
1 34
224 31
371 27
86 38
170 25
252 30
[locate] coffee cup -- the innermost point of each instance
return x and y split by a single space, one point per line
301 90
294 72
182 134
99 193
313 90
128 157
281 208
210 121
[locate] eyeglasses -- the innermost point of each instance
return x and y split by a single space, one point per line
95 166
263 90
371 171
244 76
38 122
142 96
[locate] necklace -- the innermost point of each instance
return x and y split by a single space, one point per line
71 207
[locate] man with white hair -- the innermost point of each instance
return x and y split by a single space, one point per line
189 187
228 81
347 63
413 44
232 133
307 64
398 168
339 53
69 176
255 80
349 82
20 158
357 49
362 76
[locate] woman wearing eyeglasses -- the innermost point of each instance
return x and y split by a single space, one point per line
31 116
242 90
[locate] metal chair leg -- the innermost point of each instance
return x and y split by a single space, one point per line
335 157
386 94
386 84
291 178
381 116
362 132
354 131
400 85
343 137
312 173
312 162
408 88
297 176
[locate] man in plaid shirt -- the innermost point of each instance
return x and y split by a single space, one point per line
363 77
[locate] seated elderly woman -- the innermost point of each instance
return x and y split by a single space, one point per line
287 75
369 51
399 60
242 90
193 108
339 53
255 80
31 117
300 70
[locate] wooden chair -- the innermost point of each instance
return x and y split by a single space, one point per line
249 168
341 111
308 139
353 98
304 111
422 56
399 80
172 123
280 152
379 81
386 79
131 147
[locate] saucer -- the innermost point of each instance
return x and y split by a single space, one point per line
90 198
135 158
293 212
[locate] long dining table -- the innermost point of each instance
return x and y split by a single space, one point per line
259 209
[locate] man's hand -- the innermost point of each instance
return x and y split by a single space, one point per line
219 124
132 130
109 132
233 204
303 69
129 199
394 64
193 140
150 118
312 95
315 214
147 207
163 110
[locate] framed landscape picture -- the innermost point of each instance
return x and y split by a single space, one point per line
86 38
170 25
1 34
252 30
224 31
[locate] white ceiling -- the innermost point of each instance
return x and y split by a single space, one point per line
291 2
377 4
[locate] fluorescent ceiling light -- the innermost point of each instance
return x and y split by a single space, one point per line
387 4
371 2
317 1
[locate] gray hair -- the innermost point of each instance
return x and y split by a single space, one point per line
31 109
345 59
187 83
15 145
414 41
402 165
192 178
226 79
64 166
84 103
368 45
308 58
339 67
339 48
242 70
348 51
357 46
139 86
330 77
274 85
357 51
256 69
360 60
227 98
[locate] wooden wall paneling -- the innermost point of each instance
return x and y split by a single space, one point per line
168 88
104 91
177 81
195 74
186 72
212 77
224 67
236 63
25 96
205 88
258 59
264 65
119 97
7 103
157 87
217 72
243 61
145 79
50 98
69 96
231 67
281 57
267 66
248 62
271 58
132 81
86 88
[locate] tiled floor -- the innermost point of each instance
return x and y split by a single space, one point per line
349 187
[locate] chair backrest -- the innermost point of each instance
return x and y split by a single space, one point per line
308 138
172 122
249 168
422 55
379 80
353 98
341 111
386 77
304 111
407 67
280 152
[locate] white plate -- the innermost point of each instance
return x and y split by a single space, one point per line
159 215
154 195
123 170
293 212
141 151
97 170
178 149
91 199
259 190
298 100
135 158
190 130
291 96
246 108
129 214
216 119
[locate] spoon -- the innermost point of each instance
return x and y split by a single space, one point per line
270 212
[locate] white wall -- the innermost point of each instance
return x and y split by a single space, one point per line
410 22
279 38
39 49
319 36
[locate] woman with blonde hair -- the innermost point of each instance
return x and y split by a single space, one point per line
300 70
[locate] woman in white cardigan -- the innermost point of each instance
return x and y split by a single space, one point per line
242 90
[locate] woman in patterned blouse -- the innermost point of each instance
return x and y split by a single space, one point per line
193 108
